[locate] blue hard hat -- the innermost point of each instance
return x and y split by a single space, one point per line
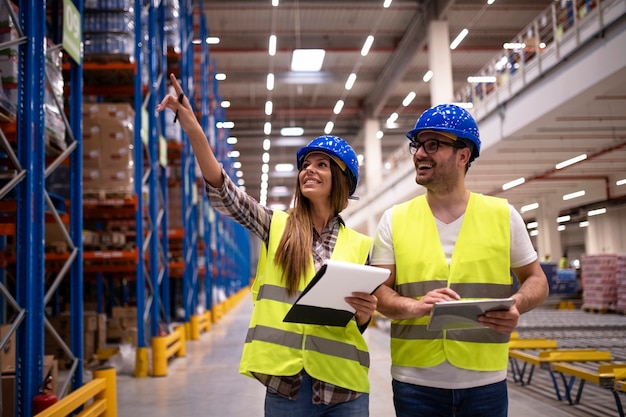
338 148
448 118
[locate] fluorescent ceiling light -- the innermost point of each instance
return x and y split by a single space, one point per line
338 107
270 82
459 39
428 76
236 164
329 127
387 3
292 131
360 158
514 45
367 45
265 168
272 45
513 183
562 219
350 81
239 174
220 76
274 3
392 118
266 157
583 224
409 98
280 191
241 181
534 233
225 125
532 225
292 142
596 212
234 154
464 105
231 140
620 182
307 59
225 104
212 40
267 128
267 144
529 207
482 79
380 134
560 227
269 106
571 196
284 167
571 161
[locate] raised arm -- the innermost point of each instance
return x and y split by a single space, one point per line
210 167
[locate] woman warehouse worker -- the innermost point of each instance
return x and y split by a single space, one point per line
309 370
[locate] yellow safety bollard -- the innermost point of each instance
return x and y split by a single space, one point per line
159 356
182 351
187 334
110 392
141 362
195 327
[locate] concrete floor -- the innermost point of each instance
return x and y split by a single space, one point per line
206 382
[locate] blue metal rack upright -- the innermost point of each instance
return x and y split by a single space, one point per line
33 202
188 167
150 179
205 121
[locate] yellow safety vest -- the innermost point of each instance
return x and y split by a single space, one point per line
337 355
479 268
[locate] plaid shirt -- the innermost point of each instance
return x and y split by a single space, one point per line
239 206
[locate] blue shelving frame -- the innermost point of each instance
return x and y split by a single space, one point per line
33 202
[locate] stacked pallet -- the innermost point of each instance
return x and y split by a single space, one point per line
598 280
620 281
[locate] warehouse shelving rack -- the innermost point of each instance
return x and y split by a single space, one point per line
25 189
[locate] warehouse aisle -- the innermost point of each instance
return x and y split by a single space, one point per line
207 383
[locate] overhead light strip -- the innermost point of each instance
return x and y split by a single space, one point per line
571 161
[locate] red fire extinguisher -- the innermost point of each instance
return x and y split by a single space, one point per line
46 396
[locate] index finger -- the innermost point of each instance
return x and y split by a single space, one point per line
176 85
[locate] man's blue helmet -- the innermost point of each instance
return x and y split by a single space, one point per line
449 118
338 149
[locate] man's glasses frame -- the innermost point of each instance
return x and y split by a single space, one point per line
432 145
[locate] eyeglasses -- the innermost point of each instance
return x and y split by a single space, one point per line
432 145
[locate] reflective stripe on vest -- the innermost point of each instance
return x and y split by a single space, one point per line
337 355
318 344
479 268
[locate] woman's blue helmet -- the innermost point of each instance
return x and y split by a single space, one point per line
338 149
449 118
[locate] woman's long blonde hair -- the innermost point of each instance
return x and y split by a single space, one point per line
294 250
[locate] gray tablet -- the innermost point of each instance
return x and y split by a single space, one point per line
463 314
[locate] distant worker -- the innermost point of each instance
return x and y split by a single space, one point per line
564 262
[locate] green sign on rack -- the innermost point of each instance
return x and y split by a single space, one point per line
71 31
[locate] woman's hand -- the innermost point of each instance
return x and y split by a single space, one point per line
365 304
179 104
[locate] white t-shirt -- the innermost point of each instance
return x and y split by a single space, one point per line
446 375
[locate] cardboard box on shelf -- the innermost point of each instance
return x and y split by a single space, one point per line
8 395
108 110
7 353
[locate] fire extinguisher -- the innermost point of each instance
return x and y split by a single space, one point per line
46 396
